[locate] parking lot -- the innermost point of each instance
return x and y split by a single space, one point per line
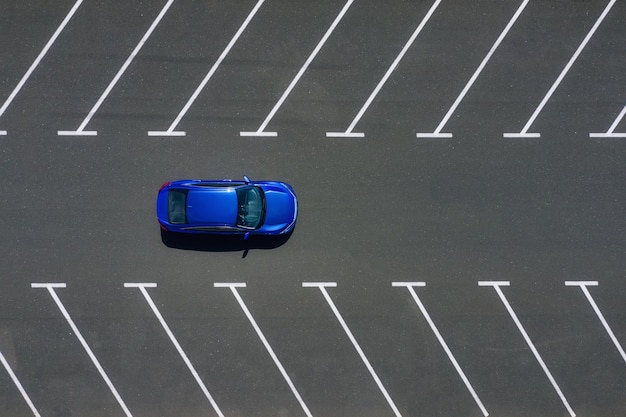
460 174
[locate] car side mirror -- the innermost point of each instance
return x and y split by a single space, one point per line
246 179
246 235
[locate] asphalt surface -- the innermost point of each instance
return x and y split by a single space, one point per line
385 208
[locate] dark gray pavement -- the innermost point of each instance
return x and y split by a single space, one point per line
376 210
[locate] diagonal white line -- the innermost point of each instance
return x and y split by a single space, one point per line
393 66
303 69
617 120
19 385
269 349
567 67
496 287
41 55
126 64
583 286
83 342
180 350
443 343
217 63
346 329
482 65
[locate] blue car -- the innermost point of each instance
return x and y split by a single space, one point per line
227 207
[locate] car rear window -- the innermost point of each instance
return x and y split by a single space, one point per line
177 203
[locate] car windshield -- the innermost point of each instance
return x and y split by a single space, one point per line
251 207
176 203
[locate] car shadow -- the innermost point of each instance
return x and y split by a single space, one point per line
221 243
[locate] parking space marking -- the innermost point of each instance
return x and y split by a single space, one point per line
611 132
19 386
524 132
437 133
81 129
233 287
349 133
142 287
411 287
37 60
261 130
171 131
322 287
496 286
51 289
583 286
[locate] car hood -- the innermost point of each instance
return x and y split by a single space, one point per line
280 209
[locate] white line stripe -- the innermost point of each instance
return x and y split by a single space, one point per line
302 70
41 55
182 354
481 67
618 119
122 70
79 336
607 135
19 385
443 343
319 284
257 329
212 71
496 287
390 70
77 133
583 286
369 367
167 133
567 67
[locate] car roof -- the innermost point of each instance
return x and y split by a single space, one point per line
211 206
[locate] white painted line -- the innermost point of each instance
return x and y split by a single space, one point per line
208 76
409 286
260 134
496 286
521 135
434 135
322 286
301 72
48 285
182 354
77 133
121 71
583 286
176 133
319 284
480 68
494 283
567 68
608 135
233 287
390 70
581 283
3 132
140 284
611 132
79 336
345 135
35 63
19 386
229 285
